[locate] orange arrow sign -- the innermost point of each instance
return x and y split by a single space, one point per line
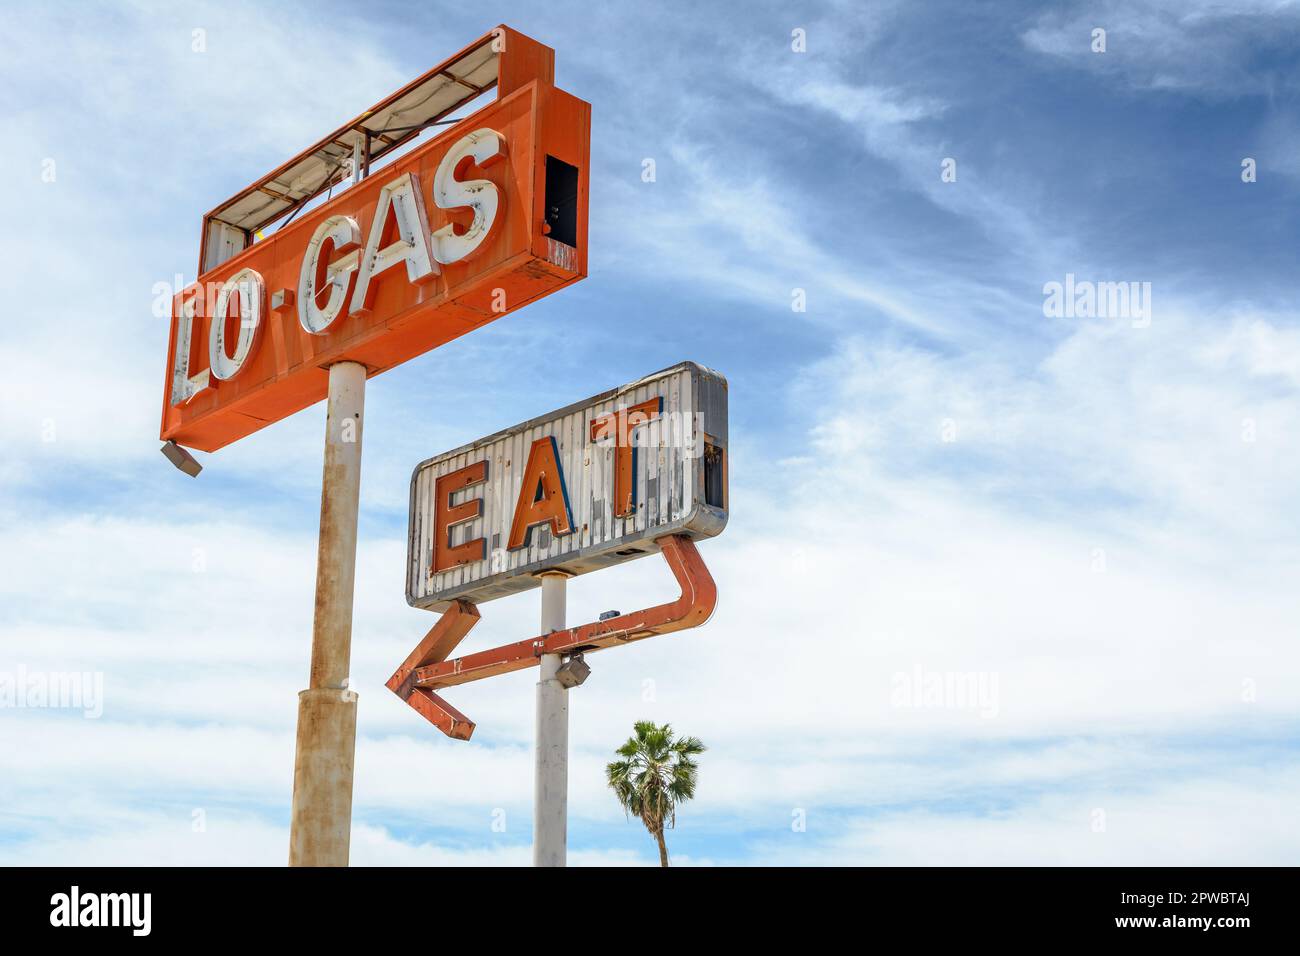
427 667
452 626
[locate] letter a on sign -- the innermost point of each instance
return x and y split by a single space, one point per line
543 498
402 199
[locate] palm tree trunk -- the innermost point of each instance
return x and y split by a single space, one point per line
663 847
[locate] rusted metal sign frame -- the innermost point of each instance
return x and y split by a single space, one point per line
517 60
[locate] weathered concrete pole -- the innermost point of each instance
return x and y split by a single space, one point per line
321 822
551 777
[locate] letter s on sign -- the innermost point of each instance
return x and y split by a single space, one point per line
485 146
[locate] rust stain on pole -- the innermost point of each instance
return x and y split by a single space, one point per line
320 829
321 822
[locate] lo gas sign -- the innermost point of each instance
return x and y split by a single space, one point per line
581 488
455 233
367 249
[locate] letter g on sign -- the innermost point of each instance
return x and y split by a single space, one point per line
345 235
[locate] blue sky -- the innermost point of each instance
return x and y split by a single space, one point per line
1095 516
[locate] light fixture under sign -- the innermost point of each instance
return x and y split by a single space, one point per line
573 672
182 459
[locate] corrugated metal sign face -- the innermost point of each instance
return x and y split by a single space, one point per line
583 488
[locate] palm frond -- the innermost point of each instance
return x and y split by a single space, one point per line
689 746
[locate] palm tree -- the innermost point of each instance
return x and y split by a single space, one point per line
654 776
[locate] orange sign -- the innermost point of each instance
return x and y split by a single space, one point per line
485 218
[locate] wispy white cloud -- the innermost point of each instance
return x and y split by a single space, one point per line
1195 47
1091 827
1191 419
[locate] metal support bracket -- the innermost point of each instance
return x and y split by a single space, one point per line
427 668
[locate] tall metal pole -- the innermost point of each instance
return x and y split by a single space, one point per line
321 822
551 776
